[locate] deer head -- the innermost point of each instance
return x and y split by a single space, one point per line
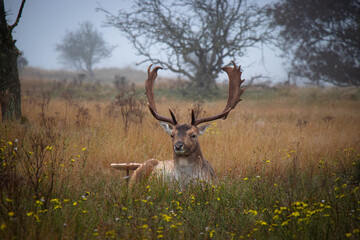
185 136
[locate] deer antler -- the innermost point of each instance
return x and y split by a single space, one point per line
149 86
235 91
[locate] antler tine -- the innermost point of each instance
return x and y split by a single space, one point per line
208 119
193 117
149 87
235 91
173 117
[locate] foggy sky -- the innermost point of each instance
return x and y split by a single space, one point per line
44 23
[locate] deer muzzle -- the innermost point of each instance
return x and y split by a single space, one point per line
179 148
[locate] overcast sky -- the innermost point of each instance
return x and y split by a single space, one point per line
45 22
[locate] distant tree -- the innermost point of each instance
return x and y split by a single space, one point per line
10 89
322 37
22 62
121 83
83 48
191 37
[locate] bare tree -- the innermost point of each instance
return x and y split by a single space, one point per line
10 89
83 48
22 62
322 37
121 83
191 37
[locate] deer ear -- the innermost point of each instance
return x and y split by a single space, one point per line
202 129
167 127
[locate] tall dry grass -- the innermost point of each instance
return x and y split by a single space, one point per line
258 131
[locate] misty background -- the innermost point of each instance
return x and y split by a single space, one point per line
44 24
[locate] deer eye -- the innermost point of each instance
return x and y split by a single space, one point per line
172 136
193 136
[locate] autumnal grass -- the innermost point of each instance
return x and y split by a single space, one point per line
287 160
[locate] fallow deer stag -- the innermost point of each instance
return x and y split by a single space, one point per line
188 163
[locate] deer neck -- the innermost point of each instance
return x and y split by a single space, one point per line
188 164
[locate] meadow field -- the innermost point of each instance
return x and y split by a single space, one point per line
287 161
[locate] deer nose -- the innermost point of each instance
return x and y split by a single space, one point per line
179 146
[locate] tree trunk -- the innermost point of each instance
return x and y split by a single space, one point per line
10 92
204 83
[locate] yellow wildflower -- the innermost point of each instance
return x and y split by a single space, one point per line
285 223
303 220
295 214
212 233
37 218
253 212
145 226
110 234
277 211
55 200
3 227
263 223
167 218
57 206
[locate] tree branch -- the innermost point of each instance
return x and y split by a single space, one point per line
191 37
11 28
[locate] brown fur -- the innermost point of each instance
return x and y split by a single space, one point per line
188 163
144 171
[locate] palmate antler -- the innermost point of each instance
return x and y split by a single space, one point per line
235 91
149 86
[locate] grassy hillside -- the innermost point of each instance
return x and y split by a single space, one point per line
287 160
101 75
